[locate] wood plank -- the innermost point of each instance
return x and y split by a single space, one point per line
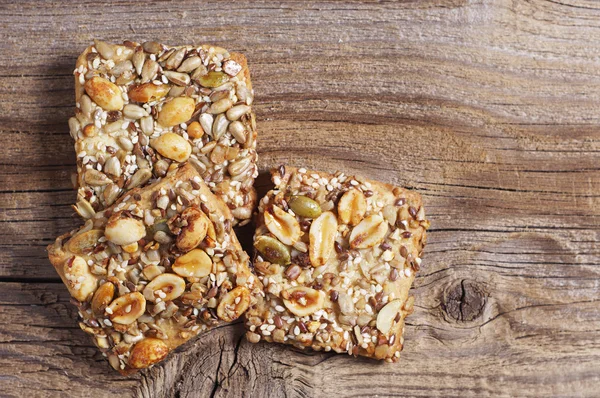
528 341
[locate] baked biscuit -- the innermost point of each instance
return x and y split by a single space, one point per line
155 269
337 256
144 108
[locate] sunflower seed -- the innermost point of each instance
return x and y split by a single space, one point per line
180 79
149 70
134 111
138 60
121 68
125 143
190 64
237 112
152 47
139 178
84 209
220 106
175 59
176 91
147 125
238 131
161 167
86 105
239 166
104 49
74 127
112 166
96 178
219 126
110 194
206 121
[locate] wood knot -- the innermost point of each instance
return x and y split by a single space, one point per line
464 301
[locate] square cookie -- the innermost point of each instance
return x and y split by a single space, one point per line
144 108
155 269
337 256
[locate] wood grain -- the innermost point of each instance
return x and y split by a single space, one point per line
488 108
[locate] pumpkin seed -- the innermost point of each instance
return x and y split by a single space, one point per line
304 206
213 79
272 250
198 73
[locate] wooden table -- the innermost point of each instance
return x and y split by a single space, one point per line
490 109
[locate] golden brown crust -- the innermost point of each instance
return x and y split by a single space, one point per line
337 256
136 297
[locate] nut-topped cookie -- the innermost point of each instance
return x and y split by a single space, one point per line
155 269
144 108
336 256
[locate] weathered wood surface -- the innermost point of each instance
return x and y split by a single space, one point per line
488 108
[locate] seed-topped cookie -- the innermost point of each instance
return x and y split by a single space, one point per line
156 268
144 108
337 256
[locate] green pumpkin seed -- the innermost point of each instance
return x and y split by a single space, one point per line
272 250
213 79
304 206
